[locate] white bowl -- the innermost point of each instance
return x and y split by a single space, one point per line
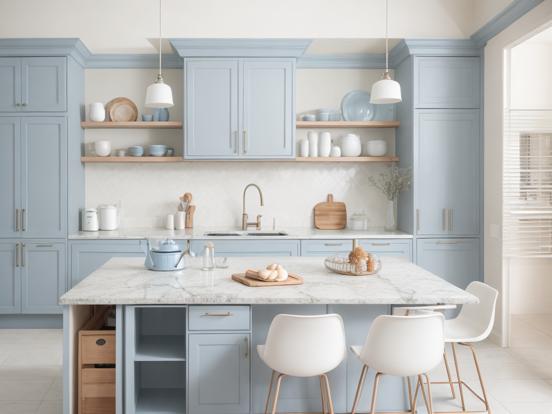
376 148
350 145
102 148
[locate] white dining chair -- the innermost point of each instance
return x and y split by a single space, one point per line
473 324
303 346
403 346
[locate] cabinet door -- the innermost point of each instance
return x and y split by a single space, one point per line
211 101
455 260
326 248
10 84
250 247
10 176
43 84
389 247
87 256
447 169
447 82
10 282
268 127
218 370
43 276
44 177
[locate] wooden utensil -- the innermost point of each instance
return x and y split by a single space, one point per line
292 279
330 215
190 216
122 110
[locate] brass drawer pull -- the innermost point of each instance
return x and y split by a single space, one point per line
381 244
333 244
447 242
219 314
44 245
101 342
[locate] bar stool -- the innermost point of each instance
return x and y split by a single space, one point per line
403 346
303 346
473 324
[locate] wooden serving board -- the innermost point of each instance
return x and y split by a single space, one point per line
293 279
330 215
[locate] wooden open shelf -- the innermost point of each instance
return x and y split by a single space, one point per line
131 125
347 159
347 124
94 159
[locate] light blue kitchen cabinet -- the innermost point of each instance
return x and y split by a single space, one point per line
455 260
10 176
447 172
10 84
239 108
218 370
43 276
33 84
268 121
249 247
44 177
10 281
87 256
447 82
326 247
389 247
211 108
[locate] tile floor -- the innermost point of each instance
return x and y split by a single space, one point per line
519 378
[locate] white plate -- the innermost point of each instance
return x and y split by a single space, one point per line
356 106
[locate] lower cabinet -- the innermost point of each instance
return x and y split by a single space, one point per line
218 370
87 256
455 260
249 247
382 247
32 276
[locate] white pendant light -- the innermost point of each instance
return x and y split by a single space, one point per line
386 90
159 94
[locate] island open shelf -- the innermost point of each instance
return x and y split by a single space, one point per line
131 125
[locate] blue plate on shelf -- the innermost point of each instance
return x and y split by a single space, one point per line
356 106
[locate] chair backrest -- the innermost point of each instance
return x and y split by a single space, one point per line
480 315
404 345
305 346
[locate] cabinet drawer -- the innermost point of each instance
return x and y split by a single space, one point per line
219 318
98 405
385 247
325 247
98 348
98 375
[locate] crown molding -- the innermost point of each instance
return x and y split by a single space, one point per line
432 47
501 21
46 47
240 47
346 61
133 61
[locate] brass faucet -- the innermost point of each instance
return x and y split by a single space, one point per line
245 223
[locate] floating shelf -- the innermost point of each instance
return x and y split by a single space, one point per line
131 125
347 124
347 159
104 160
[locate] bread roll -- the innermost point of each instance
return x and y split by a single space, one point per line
282 274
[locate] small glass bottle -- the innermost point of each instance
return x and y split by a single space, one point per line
209 256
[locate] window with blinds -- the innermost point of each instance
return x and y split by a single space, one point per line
527 184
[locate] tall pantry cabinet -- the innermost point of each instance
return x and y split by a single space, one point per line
41 94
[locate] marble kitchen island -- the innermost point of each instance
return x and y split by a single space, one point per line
185 341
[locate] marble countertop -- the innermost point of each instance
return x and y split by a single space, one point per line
125 281
199 233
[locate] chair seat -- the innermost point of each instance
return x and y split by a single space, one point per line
459 331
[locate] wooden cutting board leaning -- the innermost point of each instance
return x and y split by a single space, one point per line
330 215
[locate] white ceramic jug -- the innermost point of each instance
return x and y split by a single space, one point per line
109 217
97 112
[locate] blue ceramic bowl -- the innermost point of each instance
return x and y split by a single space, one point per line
157 150
136 151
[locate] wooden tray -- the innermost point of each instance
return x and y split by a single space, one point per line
293 279
330 215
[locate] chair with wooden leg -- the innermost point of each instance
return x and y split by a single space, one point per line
303 346
404 346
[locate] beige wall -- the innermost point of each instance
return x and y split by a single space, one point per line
495 104
485 10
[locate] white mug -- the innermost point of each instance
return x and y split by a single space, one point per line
102 148
97 112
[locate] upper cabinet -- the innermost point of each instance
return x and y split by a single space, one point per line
447 82
239 108
37 84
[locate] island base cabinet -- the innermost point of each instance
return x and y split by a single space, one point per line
218 372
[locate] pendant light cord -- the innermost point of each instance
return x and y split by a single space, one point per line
386 36
160 38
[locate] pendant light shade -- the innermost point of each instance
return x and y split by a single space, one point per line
386 90
159 94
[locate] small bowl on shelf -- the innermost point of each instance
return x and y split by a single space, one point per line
308 117
147 117
157 150
136 151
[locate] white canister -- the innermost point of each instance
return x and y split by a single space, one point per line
109 217
350 145
102 148
97 112
336 151
324 144
313 143
376 148
89 220
304 148
169 222
179 220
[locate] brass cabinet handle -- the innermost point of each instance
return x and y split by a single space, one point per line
450 221
444 224
101 342
44 245
17 255
380 244
24 104
23 219
246 340
236 143
22 255
17 219
245 141
417 220
447 242
17 104
219 314
333 244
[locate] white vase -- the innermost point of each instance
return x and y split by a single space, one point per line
304 148
350 145
336 151
102 148
313 143
324 144
97 112
391 216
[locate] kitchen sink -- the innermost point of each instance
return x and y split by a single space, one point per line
245 233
